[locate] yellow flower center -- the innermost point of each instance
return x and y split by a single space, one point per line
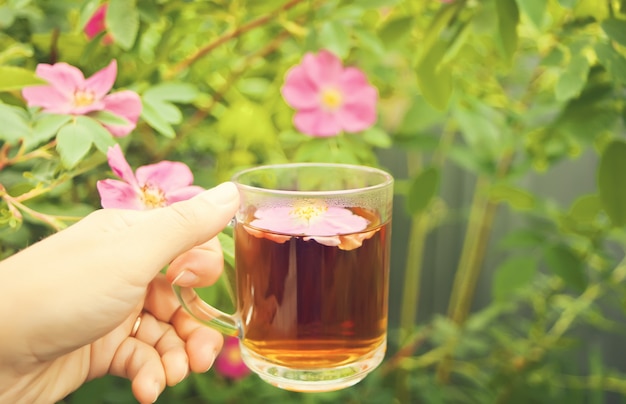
152 197
83 98
233 356
308 210
331 98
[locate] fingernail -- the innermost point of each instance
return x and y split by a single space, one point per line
185 278
222 194
212 361
157 390
184 376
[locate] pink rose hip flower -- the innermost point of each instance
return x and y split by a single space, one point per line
68 92
331 226
329 98
151 186
96 25
229 363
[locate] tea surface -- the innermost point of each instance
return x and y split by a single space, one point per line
309 305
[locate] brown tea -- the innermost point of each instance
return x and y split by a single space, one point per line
307 305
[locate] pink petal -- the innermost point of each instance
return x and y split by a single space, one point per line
126 104
95 25
182 194
102 81
49 98
85 109
331 241
322 69
229 362
65 78
337 221
352 82
168 176
120 166
317 122
118 195
300 92
358 116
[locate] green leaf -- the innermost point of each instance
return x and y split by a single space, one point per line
433 79
598 10
423 189
368 40
482 127
377 137
151 115
46 127
108 118
568 3
523 238
396 31
615 29
534 9
612 61
573 80
73 143
612 182
15 78
101 137
563 263
586 208
508 18
517 198
513 275
13 123
335 37
183 93
122 21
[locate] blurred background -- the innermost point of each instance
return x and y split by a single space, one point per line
501 120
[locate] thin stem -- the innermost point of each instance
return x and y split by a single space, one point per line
472 256
413 274
200 53
476 240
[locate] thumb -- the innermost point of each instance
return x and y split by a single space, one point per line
162 234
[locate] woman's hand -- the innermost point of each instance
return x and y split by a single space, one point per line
71 303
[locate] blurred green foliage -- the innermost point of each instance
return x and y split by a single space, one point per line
498 88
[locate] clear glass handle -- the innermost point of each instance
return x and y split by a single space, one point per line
205 313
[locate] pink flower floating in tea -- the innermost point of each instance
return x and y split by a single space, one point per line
229 363
96 25
151 186
329 98
68 92
313 220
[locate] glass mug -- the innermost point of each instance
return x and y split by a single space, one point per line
312 247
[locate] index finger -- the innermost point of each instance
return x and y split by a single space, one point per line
201 266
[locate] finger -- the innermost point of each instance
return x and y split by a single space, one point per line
202 343
201 266
168 232
168 345
160 300
140 363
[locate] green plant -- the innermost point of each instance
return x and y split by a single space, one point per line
498 89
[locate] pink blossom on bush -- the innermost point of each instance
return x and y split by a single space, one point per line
151 186
68 92
329 98
96 25
229 363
